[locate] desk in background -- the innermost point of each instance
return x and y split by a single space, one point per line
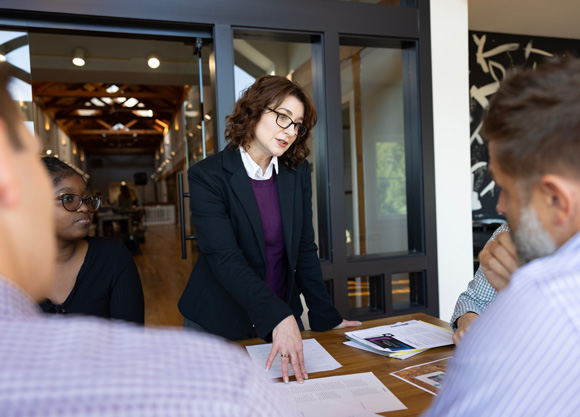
356 361
103 218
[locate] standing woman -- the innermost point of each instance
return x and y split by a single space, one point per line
252 209
94 275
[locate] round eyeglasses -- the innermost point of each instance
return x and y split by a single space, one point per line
73 202
285 122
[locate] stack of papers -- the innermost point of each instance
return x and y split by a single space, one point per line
402 339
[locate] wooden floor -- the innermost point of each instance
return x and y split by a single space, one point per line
163 274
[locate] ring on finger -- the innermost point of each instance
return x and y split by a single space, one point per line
284 355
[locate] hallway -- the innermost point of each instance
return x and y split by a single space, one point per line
163 274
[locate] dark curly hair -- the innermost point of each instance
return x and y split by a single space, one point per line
269 91
58 170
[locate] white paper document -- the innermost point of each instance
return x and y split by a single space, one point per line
402 337
316 358
342 396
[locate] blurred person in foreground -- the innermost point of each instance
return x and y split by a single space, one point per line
521 357
85 366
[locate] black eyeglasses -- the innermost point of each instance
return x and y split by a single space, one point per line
73 202
285 122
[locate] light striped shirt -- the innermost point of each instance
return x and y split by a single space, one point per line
52 366
479 293
522 356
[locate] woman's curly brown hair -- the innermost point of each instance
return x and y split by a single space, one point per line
269 91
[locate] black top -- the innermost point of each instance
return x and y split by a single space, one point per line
108 284
226 293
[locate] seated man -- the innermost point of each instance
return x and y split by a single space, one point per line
89 366
521 358
499 261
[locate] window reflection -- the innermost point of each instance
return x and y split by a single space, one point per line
254 56
366 295
408 290
374 149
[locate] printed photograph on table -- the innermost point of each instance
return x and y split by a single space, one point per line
427 376
388 341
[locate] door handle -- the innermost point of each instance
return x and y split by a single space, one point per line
184 237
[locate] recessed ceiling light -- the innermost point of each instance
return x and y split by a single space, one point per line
3 53
79 57
153 61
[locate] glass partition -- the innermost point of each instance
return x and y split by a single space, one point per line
374 148
15 51
289 55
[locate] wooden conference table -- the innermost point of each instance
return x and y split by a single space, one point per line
355 360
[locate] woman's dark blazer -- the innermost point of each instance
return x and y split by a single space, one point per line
226 293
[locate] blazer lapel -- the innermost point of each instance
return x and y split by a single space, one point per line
242 188
285 183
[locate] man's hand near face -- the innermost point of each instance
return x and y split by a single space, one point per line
499 260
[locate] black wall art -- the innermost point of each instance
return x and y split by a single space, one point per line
490 56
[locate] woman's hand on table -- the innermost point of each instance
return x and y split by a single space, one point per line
287 342
347 323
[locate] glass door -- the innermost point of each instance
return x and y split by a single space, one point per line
15 52
198 134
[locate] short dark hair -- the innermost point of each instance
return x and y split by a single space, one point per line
269 91
534 120
8 111
58 170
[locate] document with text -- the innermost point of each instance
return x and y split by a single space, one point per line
353 395
316 358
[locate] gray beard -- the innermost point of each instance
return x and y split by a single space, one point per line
531 239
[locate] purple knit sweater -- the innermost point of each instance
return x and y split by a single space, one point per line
266 193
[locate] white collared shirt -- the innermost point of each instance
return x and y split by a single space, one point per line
253 169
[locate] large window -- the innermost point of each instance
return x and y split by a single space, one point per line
366 65
258 53
374 143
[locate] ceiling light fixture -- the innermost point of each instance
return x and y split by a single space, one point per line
79 57
3 53
153 61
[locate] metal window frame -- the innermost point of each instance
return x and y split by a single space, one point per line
333 20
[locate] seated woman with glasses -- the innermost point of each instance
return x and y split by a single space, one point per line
252 210
94 275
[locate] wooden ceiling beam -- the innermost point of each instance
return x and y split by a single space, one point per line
106 108
108 132
104 124
100 94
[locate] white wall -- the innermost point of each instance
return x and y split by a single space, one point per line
554 18
449 42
